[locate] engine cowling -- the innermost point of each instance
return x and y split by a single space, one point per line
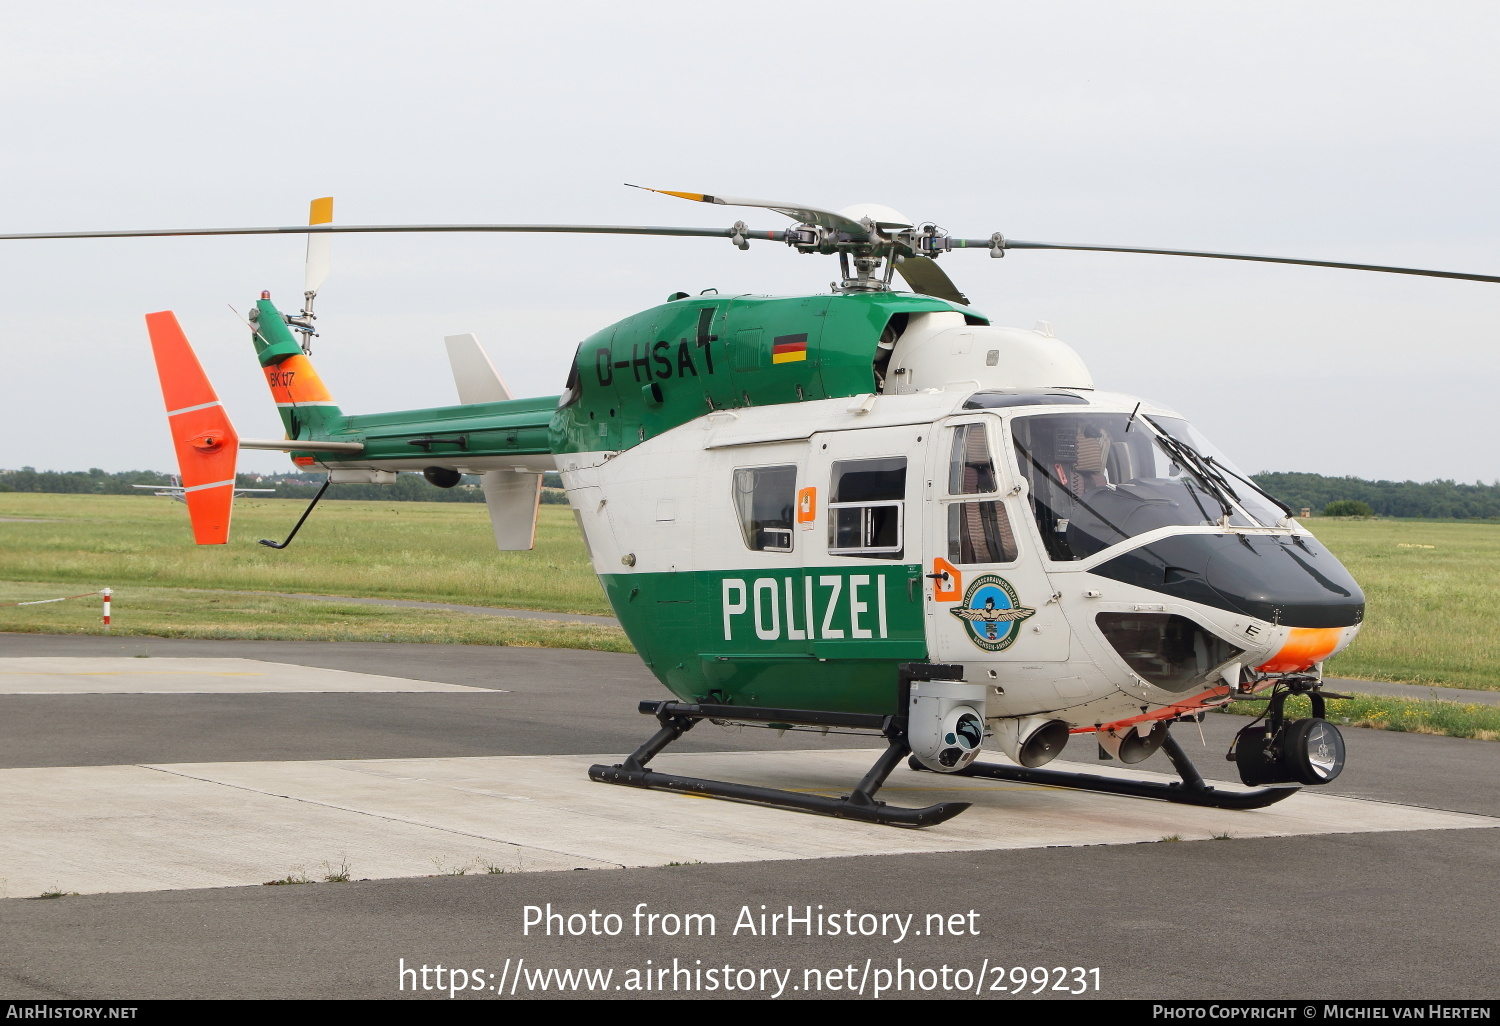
1031 741
941 350
1135 743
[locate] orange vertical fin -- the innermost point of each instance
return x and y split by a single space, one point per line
206 443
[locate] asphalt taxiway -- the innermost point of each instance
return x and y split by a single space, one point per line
156 785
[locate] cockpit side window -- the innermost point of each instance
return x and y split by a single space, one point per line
980 531
867 500
763 500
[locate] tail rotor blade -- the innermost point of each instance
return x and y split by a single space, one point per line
319 246
202 435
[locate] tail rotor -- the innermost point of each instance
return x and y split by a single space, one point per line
319 262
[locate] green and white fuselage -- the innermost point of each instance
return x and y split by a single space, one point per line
786 498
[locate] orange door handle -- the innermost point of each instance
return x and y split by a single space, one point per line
945 573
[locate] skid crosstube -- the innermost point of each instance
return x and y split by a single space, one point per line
1191 790
677 718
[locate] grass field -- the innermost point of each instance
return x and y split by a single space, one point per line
440 552
1433 587
1434 591
1453 719
190 613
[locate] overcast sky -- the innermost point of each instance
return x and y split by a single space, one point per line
1361 131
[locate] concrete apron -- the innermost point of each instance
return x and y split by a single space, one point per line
134 828
127 675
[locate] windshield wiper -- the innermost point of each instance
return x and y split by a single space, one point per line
1216 471
1279 504
1199 466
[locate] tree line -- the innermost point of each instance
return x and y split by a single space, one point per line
1435 500
1444 500
406 487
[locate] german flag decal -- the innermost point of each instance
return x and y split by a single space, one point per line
789 348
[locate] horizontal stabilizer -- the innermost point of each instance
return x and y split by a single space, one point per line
512 499
206 443
473 373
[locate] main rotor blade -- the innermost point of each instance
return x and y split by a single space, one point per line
338 229
798 212
925 276
1017 244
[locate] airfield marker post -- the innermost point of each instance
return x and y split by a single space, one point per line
107 592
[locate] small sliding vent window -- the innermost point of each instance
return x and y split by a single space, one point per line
866 506
763 499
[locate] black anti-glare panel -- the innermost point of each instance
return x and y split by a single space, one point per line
1293 582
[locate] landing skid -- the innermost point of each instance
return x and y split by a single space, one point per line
677 718
1191 790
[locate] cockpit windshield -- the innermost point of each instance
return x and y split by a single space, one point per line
1097 479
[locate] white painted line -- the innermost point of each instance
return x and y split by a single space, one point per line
190 409
114 828
123 675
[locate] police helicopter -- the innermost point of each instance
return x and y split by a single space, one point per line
867 509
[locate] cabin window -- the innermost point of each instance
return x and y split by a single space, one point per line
970 469
764 498
979 532
865 508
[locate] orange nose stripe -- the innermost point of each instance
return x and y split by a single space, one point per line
1305 646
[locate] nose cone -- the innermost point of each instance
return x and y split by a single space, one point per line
1293 581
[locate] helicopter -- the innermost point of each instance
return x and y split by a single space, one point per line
867 510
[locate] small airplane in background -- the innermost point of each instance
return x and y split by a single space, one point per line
176 491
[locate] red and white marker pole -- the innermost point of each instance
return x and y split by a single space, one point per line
107 592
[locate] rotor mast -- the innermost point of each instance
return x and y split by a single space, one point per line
869 261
